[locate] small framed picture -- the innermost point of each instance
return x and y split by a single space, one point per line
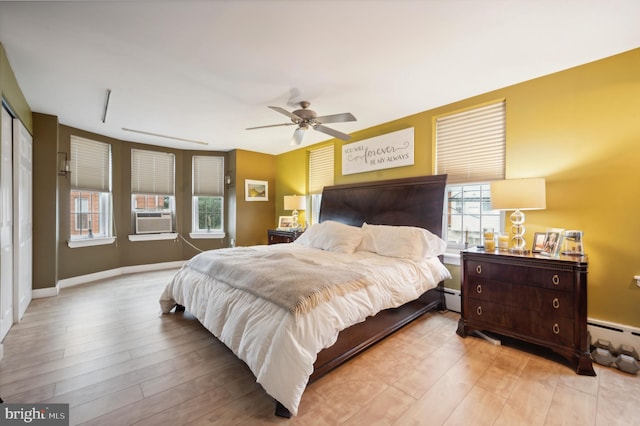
538 242
551 245
285 223
256 190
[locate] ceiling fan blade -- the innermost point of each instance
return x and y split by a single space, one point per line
331 132
287 113
270 125
336 118
297 136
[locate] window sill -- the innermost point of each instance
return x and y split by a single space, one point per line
153 237
88 242
207 235
452 257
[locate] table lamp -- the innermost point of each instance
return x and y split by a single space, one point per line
518 195
295 203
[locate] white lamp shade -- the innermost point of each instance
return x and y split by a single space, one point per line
294 202
518 194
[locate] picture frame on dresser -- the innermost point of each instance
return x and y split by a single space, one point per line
538 242
551 245
285 223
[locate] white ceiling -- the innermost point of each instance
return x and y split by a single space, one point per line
206 70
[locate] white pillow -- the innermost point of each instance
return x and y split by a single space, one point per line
332 236
407 242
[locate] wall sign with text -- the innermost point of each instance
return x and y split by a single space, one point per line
382 152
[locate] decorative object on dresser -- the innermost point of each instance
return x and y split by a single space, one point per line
278 236
295 203
540 300
518 195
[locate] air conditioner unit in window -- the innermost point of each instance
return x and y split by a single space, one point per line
153 222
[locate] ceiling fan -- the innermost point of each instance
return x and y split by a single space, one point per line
305 118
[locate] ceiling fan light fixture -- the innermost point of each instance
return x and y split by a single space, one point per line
298 134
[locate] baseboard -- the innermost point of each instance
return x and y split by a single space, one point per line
83 279
452 299
616 334
40 293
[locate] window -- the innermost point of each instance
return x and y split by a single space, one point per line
153 181
90 198
470 149
468 211
320 175
208 194
82 213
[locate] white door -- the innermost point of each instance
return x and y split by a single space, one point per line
22 211
6 225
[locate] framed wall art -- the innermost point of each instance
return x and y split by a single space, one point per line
256 190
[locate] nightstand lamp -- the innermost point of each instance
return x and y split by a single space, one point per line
518 195
295 203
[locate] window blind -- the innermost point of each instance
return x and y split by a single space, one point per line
90 165
152 172
320 169
470 146
208 175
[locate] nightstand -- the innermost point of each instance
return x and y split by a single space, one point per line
535 298
276 236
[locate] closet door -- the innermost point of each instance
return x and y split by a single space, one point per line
23 212
6 226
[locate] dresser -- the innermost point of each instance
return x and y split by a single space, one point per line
538 299
276 236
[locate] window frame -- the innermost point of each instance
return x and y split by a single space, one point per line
91 178
207 182
470 148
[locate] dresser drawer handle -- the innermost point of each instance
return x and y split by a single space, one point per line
556 328
556 303
479 310
479 288
479 269
555 279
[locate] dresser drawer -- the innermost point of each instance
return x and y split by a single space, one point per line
528 298
489 291
494 314
551 278
557 330
488 270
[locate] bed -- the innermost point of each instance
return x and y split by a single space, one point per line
371 266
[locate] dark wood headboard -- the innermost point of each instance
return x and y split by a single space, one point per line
416 201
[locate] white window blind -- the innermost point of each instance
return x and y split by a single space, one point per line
208 176
470 146
320 169
90 165
152 172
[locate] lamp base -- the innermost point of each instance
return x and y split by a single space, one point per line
296 225
517 227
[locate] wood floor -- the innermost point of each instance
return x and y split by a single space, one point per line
104 349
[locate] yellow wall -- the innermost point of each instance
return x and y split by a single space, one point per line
253 218
580 129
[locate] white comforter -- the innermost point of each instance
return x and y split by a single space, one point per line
279 348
